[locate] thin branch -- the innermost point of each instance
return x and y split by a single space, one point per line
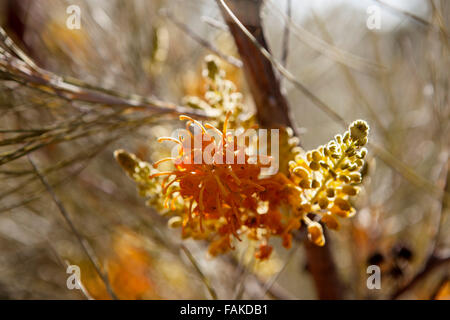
215 23
23 70
202 276
65 264
353 83
286 73
272 106
275 292
211 47
439 286
329 50
433 262
81 285
286 34
273 111
242 277
382 153
412 16
83 243
435 258
269 284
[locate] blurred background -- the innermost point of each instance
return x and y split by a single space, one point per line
394 74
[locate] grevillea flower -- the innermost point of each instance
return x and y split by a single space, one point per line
327 177
224 197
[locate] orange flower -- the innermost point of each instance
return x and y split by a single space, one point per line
222 199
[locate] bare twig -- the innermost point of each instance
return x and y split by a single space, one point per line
412 16
273 111
275 292
211 47
215 23
353 83
286 34
202 276
23 70
65 264
327 49
83 243
435 258
434 261
238 26
439 286
381 152
272 106
269 284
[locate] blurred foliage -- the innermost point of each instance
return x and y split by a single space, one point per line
396 78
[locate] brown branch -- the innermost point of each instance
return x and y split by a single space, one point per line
17 66
432 263
385 155
200 273
323 270
272 107
435 258
274 292
439 286
82 241
204 43
243 16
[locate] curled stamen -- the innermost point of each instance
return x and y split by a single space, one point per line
190 209
166 202
221 186
210 126
200 199
157 163
234 176
188 124
183 117
158 174
225 123
173 202
168 185
164 181
161 139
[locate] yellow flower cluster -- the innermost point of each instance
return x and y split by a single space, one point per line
217 202
140 171
220 98
327 177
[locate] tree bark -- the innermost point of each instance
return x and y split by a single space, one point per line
273 112
272 107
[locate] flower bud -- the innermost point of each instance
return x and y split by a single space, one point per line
323 203
315 234
350 190
316 156
314 165
315 184
330 221
330 192
342 204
